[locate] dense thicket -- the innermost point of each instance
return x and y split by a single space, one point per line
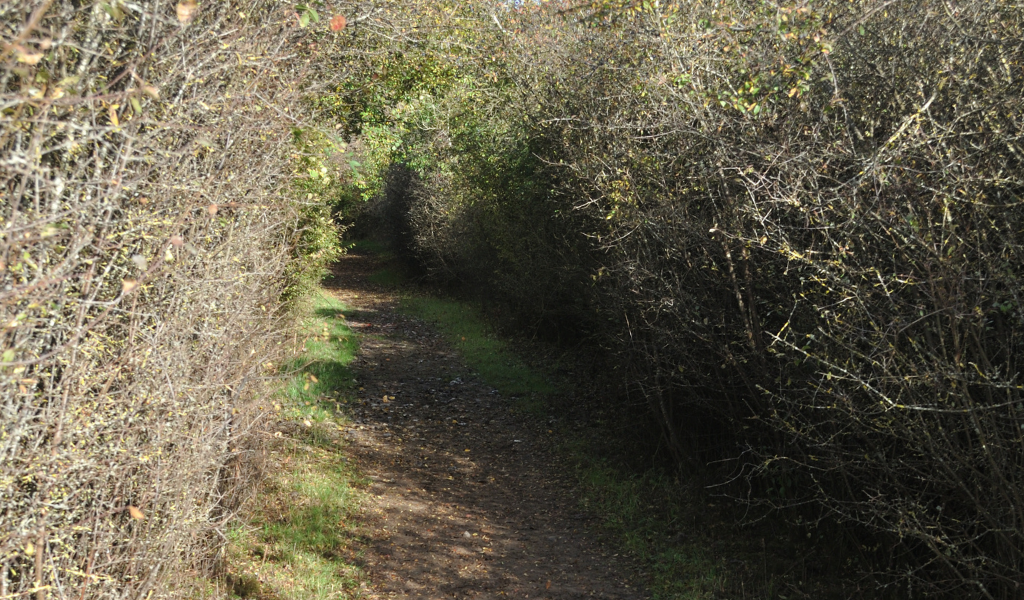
797 226
149 229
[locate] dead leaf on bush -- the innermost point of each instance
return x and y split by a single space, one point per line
128 285
29 58
337 22
186 11
212 209
136 513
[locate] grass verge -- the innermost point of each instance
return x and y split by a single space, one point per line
298 540
650 518
490 356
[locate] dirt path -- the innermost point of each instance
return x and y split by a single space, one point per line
468 500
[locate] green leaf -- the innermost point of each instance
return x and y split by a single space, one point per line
114 11
304 19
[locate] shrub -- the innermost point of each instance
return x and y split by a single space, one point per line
794 225
148 219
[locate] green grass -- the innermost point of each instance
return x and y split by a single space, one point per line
644 512
319 377
378 249
490 356
297 542
388 277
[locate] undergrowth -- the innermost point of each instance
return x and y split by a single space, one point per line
299 541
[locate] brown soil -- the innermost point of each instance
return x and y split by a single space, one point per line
468 499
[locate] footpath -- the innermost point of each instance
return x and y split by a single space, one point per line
467 499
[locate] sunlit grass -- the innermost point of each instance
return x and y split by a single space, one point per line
298 541
387 277
489 355
378 249
319 373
